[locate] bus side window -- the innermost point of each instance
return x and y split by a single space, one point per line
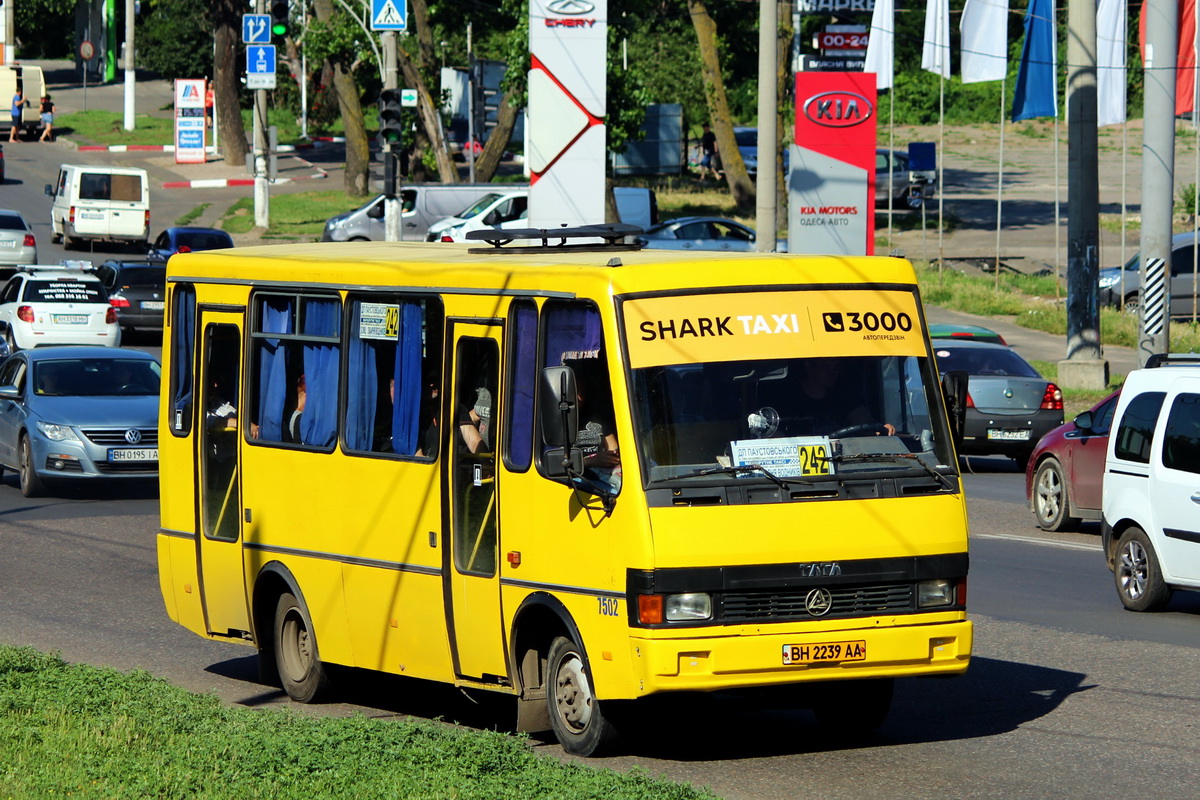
522 380
183 347
393 375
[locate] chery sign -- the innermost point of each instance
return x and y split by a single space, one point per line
568 42
831 186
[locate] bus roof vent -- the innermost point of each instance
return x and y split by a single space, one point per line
612 237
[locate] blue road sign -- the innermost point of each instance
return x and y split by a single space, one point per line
389 15
256 28
260 66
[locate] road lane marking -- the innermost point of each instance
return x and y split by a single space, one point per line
1038 540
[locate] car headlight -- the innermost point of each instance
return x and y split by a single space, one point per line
939 592
691 606
57 433
1109 280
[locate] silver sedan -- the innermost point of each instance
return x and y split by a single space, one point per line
17 243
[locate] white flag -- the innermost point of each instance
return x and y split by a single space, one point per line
1111 25
935 53
881 44
984 28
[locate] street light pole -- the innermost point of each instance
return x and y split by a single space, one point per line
768 136
130 78
262 195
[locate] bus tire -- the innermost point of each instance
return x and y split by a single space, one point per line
853 709
1138 576
576 716
301 672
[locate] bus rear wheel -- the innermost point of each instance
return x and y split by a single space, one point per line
301 672
576 717
853 709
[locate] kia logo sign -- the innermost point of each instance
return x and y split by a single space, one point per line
838 109
570 7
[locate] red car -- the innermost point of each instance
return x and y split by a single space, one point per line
1063 478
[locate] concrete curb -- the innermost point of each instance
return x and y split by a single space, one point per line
217 183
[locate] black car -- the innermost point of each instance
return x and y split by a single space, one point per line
137 289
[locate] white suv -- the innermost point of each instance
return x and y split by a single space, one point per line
1151 505
66 304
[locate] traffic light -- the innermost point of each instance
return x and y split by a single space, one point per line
389 117
279 17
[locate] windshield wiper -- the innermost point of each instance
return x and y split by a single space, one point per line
771 476
877 457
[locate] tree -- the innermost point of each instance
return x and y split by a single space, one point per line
227 87
175 39
340 49
740 184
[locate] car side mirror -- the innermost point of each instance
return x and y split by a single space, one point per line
1084 421
376 211
49 190
492 218
954 391
10 392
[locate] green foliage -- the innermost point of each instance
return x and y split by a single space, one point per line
107 127
1186 202
45 28
300 216
79 730
175 39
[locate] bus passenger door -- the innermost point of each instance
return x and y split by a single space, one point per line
218 491
474 577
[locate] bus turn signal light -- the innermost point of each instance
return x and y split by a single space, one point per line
650 609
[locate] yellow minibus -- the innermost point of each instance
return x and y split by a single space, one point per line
575 474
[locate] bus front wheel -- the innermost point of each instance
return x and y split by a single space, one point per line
576 717
300 669
852 709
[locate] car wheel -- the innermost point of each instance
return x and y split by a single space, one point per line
11 341
358 239
576 716
1139 578
913 201
852 709
68 242
1133 304
31 484
301 672
1050 497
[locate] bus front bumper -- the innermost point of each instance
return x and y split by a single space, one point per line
714 662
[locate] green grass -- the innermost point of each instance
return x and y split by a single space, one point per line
294 217
193 215
107 127
92 732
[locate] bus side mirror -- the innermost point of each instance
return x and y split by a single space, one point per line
954 390
559 407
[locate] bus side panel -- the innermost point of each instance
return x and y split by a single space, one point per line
397 625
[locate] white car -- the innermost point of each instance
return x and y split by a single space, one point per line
1151 529
58 305
17 242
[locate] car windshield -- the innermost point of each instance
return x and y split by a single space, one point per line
143 276
11 222
64 290
984 361
479 206
863 414
80 377
202 240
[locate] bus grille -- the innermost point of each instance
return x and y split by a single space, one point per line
848 601
115 437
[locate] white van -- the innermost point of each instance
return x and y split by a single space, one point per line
94 203
422 204
510 209
33 86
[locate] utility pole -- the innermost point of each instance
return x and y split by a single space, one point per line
130 78
393 213
1083 368
768 136
262 193
1158 176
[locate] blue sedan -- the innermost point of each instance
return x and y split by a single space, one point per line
189 240
79 413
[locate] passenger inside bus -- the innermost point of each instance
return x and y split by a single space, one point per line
823 400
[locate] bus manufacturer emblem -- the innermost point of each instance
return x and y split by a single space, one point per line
818 602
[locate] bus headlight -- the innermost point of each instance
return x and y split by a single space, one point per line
691 606
935 593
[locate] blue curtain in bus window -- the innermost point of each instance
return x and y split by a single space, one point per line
406 410
571 332
524 380
274 316
183 332
318 424
363 387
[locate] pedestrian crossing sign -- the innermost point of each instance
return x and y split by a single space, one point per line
389 15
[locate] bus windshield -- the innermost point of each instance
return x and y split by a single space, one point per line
802 417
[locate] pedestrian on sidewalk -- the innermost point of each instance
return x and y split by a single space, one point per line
47 119
209 101
708 146
18 102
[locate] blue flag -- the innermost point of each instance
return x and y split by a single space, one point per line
1036 94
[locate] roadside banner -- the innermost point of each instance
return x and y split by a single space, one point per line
1111 27
189 121
984 49
1036 94
881 45
935 51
